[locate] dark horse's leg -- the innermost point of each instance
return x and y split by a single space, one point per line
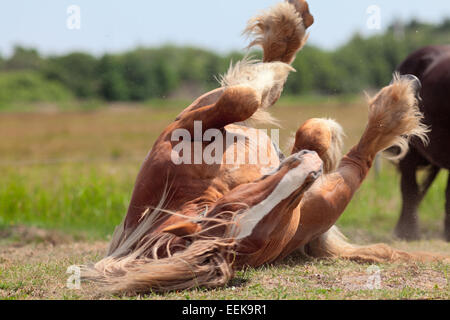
412 194
447 211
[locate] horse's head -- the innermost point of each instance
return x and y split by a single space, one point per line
252 213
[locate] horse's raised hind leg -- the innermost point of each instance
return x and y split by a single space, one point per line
447 211
412 195
281 30
236 104
247 88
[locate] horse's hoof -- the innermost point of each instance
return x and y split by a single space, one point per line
407 233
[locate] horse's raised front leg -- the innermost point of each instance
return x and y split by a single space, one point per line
281 31
247 87
236 104
393 115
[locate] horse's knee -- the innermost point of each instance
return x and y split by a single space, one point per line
238 103
323 136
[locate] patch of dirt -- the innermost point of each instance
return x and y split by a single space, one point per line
392 277
47 252
23 235
40 270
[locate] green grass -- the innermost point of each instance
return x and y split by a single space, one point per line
160 104
376 206
92 198
293 279
72 197
66 179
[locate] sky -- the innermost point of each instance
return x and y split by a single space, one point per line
119 25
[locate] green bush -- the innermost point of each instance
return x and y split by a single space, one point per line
76 71
170 71
24 59
28 86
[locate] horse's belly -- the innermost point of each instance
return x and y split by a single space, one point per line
438 149
249 155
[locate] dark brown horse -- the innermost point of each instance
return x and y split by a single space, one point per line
432 66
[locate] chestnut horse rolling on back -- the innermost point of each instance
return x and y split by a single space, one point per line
194 222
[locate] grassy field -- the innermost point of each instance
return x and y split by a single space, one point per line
66 179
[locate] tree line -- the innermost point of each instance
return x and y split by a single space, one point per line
171 71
